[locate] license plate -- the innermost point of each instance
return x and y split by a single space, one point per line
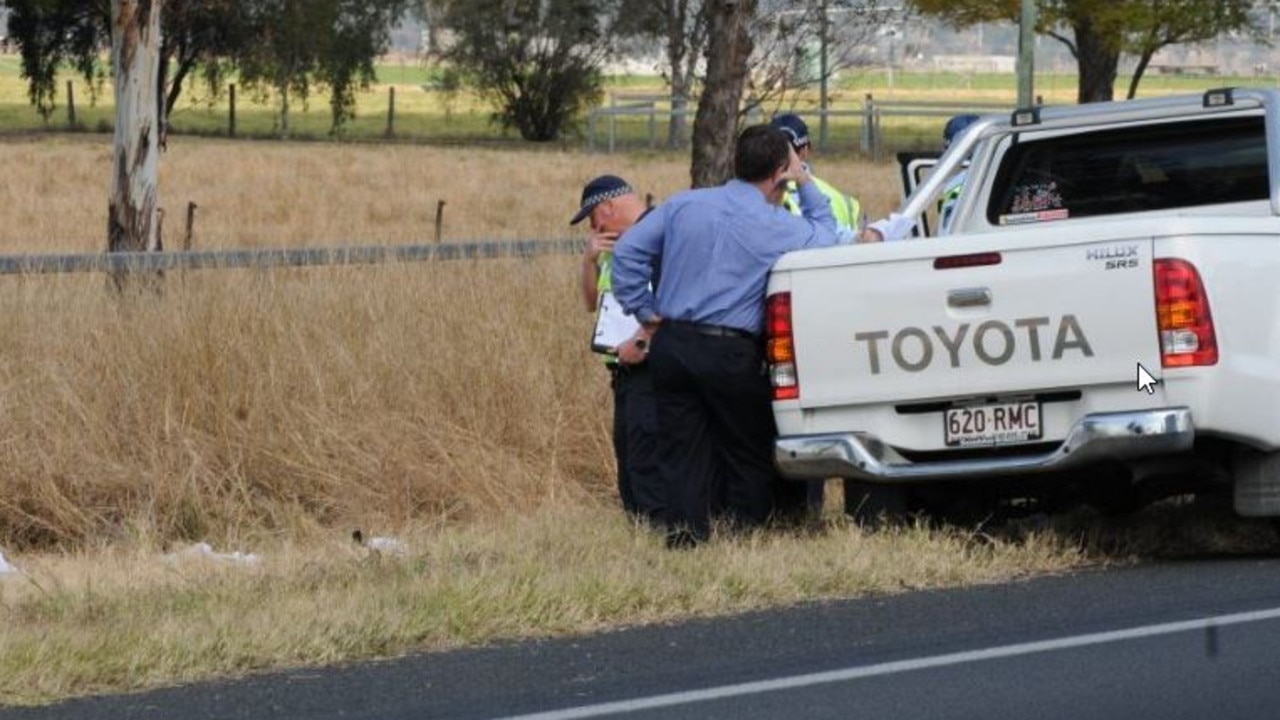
1002 424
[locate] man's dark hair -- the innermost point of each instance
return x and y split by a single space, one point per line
760 151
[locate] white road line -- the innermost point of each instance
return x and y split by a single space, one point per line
898 666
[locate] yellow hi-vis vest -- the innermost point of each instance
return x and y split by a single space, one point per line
846 208
604 284
947 203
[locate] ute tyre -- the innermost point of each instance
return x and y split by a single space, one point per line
872 505
1256 483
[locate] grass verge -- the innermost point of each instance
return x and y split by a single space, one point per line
124 619
119 620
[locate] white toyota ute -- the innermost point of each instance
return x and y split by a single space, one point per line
1101 323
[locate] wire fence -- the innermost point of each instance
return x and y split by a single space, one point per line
872 128
628 122
142 262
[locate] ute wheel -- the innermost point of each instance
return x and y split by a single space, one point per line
1256 487
1118 502
872 505
955 504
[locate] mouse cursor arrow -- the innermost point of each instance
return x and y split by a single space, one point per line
1145 381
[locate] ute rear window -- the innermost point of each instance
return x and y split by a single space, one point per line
1132 169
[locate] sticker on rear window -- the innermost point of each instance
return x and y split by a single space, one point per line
1035 202
1034 217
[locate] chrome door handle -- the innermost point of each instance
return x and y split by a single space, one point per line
969 297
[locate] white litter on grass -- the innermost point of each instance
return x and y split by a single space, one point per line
5 567
205 551
381 544
389 545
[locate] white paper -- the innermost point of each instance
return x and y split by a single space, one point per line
5 567
613 325
205 551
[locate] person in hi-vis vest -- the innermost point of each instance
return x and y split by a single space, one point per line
613 206
848 215
899 227
846 208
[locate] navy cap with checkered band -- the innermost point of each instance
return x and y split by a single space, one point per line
605 187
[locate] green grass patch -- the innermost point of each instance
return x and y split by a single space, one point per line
424 112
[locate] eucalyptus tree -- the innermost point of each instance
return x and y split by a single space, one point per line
728 62
1098 32
53 33
284 45
539 62
301 44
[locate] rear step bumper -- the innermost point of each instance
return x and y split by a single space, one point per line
1103 436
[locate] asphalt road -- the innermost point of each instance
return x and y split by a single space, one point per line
1195 639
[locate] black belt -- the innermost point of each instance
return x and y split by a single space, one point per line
713 330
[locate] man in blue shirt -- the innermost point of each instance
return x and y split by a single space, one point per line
702 329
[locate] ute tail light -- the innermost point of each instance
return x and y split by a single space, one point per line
1182 316
780 348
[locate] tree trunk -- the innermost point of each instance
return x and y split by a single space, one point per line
684 44
716 122
135 51
676 128
1143 61
1098 61
284 110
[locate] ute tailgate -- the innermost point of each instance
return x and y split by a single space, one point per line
1051 316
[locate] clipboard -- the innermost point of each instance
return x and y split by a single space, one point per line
614 325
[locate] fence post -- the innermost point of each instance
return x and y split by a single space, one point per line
391 112
867 108
822 129
439 220
876 139
191 226
231 121
71 104
613 122
653 126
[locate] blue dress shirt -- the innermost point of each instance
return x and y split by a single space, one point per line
716 246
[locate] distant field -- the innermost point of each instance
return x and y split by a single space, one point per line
453 405
424 112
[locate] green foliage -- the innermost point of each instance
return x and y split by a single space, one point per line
51 33
283 45
1101 30
538 61
203 36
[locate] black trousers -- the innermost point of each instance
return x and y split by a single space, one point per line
715 431
635 443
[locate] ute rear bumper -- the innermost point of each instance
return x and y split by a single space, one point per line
1094 438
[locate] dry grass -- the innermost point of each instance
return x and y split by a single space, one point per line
568 570
268 194
126 618
453 404
237 401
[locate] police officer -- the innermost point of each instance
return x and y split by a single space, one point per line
845 208
613 206
849 222
951 194
898 227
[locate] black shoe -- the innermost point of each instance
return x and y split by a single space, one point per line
682 539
